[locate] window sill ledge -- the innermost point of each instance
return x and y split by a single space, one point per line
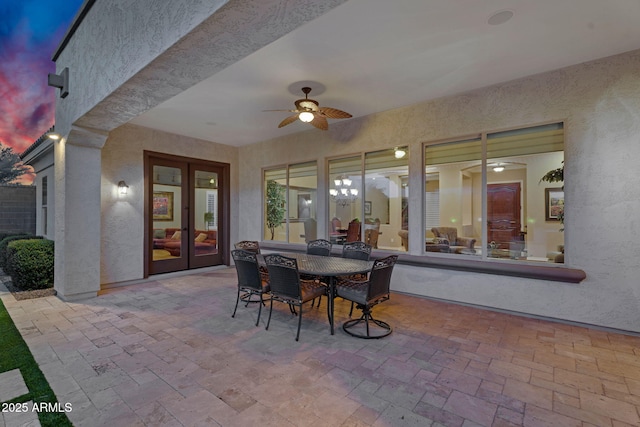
506 268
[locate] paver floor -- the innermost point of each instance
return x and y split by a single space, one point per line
168 353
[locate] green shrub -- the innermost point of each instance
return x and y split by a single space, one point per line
30 263
4 242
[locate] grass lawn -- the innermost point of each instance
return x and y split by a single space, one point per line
14 354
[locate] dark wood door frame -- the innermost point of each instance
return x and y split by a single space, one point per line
223 234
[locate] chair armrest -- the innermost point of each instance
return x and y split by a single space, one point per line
466 241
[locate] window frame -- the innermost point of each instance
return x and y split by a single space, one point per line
287 188
482 136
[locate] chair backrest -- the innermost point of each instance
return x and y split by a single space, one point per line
356 250
319 247
353 231
310 230
336 224
248 245
283 276
247 269
380 277
371 236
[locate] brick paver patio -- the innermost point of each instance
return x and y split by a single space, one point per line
168 353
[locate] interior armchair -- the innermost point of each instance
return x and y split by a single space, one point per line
456 243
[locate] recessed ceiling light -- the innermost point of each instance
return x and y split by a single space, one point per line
500 17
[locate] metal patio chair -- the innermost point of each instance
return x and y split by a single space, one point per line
366 295
250 280
288 287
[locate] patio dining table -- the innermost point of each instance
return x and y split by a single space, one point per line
330 267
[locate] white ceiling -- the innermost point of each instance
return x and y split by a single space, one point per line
376 55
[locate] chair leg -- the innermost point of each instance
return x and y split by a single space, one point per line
313 302
299 323
259 309
270 310
237 301
366 318
351 311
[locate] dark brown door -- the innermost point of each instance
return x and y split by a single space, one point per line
187 213
503 214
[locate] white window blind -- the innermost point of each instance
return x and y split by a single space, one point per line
212 206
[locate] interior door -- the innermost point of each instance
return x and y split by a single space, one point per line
503 214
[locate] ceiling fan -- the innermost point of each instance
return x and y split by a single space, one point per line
309 111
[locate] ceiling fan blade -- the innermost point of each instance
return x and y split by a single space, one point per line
334 113
291 111
288 120
320 122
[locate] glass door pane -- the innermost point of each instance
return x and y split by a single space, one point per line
203 234
169 223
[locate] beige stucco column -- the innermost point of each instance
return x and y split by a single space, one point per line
77 213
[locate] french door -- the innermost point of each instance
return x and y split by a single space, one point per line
186 213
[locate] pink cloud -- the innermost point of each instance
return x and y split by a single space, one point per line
27 108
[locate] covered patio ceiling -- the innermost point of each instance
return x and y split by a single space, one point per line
368 56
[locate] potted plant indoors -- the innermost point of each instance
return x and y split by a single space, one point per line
275 205
556 175
208 219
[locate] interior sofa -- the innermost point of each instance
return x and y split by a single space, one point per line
449 236
432 244
206 241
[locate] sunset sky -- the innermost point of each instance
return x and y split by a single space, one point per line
30 31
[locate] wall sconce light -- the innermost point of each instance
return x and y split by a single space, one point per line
54 136
61 81
123 188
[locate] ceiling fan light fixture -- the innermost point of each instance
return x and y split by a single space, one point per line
306 116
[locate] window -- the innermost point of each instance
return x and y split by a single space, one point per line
44 205
290 200
496 208
386 196
345 199
379 207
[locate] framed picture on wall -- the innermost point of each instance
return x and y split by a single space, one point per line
162 206
367 208
554 203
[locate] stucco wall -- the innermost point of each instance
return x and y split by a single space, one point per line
600 103
97 61
122 216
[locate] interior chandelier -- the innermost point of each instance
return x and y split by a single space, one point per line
344 193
